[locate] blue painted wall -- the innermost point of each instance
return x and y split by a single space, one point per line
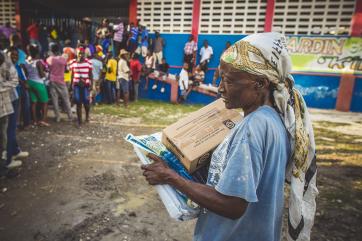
318 91
356 104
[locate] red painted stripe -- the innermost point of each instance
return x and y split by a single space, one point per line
196 19
269 14
17 15
356 22
345 92
132 14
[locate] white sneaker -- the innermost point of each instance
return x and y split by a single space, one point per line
154 87
162 90
22 154
74 109
4 155
14 164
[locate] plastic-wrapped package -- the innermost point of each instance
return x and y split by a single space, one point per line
177 205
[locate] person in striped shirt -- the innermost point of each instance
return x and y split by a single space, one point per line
81 83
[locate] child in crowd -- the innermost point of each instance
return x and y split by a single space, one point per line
183 83
148 67
35 71
163 70
198 76
82 79
136 68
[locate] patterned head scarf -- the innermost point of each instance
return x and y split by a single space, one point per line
266 54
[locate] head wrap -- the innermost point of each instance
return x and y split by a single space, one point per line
266 54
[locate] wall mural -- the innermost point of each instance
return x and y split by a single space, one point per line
326 54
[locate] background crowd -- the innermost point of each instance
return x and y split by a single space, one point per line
76 68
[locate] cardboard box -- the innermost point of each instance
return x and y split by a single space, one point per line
193 138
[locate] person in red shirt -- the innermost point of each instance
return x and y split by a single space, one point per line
136 69
33 32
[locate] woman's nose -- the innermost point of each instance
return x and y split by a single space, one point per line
221 88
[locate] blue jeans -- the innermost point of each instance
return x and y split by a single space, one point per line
110 91
25 106
12 145
81 95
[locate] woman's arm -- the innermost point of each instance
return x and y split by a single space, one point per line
40 68
206 196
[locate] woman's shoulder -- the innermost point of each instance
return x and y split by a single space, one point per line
261 120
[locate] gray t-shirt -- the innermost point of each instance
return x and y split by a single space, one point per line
158 47
250 164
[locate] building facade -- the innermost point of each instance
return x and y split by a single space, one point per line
324 36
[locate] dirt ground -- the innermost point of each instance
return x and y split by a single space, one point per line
87 185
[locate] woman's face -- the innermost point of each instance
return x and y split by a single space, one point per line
237 88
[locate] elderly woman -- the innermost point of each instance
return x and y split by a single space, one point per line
243 197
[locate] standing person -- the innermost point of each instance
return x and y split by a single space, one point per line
159 44
243 198
163 73
227 46
123 76
25 114
15 42
118 35
97 76
57 87
183 83
206 53
110 78
43 39
69 54
13 150
190 52
81 82
148 67
8 82
217 71
35 71
33 32
133 38
136 69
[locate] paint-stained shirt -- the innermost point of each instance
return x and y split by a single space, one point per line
249 164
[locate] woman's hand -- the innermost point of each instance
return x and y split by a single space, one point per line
157 172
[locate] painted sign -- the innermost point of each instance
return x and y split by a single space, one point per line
326 54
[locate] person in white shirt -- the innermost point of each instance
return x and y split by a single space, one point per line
206 54
123 76
183 83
